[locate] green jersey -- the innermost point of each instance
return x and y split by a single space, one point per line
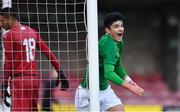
110 67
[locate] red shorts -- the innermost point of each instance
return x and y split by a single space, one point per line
24 93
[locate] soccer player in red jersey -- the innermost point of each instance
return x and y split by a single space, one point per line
20 43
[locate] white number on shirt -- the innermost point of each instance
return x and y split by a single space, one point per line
30 47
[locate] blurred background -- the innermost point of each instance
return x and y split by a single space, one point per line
152 46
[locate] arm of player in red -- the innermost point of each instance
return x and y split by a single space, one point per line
63 78
54 61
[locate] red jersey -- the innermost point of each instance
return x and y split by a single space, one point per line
20 44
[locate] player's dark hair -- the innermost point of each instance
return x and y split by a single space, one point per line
112 17
8 12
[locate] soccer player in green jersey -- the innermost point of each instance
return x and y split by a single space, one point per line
110 69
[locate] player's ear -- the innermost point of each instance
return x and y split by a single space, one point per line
107 30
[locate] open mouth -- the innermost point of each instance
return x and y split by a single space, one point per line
119 34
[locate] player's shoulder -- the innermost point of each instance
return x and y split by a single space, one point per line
25 27
28 30
106 40
22 28
106 44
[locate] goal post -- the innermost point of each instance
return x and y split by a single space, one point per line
92 23
6 3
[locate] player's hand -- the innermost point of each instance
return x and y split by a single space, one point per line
64 81
133 87
133 83
5 94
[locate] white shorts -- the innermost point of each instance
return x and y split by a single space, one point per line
108 99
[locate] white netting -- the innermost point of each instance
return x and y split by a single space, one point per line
62 25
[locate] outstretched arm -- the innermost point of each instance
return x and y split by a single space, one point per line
125 83
128 82
110 75
133 87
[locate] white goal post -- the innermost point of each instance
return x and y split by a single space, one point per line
92 23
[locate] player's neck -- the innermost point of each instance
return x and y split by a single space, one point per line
15 24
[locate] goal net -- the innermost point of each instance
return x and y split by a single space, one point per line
62 25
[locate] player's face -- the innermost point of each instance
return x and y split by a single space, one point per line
116 30
4 22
